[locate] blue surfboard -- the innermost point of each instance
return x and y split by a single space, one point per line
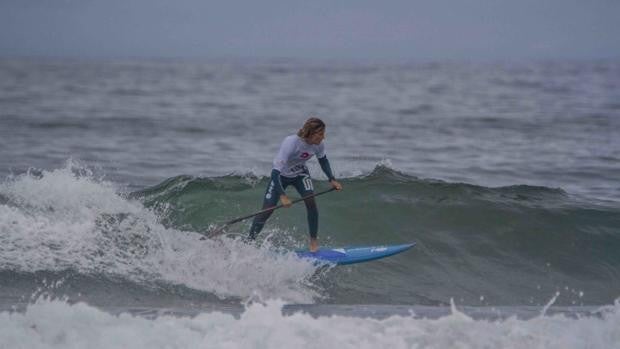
351 255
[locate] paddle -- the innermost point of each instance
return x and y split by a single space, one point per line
220 230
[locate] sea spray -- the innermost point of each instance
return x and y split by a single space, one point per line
63 220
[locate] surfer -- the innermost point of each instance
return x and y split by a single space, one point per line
289 168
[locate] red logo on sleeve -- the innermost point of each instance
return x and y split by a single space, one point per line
304 155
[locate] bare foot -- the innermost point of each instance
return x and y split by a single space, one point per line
314 245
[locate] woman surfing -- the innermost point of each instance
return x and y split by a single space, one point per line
289 168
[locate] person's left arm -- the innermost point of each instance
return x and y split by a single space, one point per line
327 169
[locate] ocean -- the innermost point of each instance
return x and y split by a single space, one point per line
504 174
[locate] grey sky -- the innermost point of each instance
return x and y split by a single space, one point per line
323 29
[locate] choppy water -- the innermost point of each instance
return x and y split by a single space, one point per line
504 174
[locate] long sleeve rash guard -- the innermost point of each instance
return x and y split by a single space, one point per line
292 157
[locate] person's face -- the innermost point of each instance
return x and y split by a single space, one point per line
317 138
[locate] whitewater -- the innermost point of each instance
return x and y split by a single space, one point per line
56 324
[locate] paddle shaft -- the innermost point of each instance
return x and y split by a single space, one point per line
236 220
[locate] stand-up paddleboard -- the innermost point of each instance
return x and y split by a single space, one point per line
351 255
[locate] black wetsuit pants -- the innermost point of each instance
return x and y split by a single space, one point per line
303 184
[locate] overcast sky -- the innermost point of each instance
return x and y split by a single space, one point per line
322 29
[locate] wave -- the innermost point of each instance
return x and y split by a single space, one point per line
67 220
54 324
514 245
506 245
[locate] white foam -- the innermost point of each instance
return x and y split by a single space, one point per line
62 220
56 324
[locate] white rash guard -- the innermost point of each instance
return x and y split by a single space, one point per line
293 154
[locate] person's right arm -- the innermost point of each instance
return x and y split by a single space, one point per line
279 164
278 189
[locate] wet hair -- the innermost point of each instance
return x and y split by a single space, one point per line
310 127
